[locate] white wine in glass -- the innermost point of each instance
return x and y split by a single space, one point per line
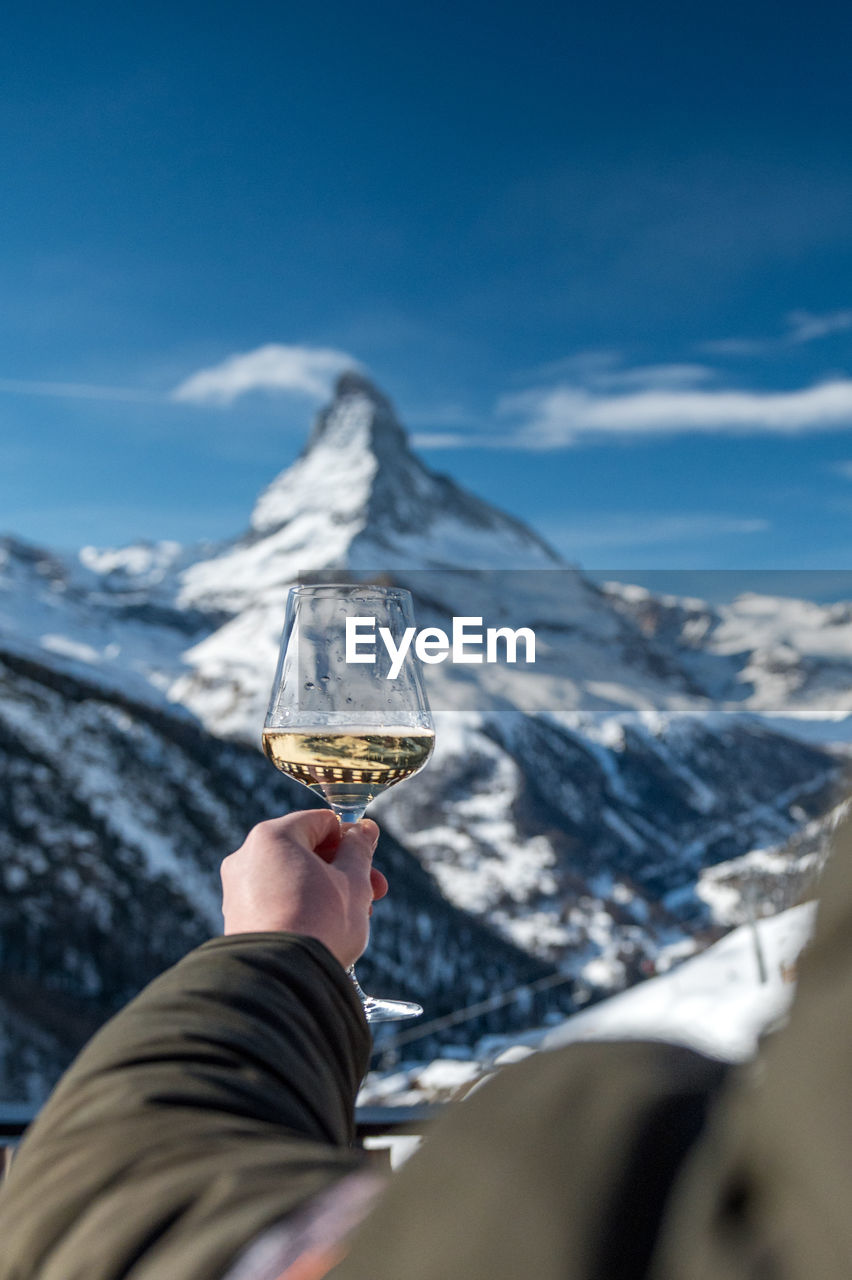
349 767
344 729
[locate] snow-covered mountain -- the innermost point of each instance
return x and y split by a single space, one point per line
781 657
359 497
114 817
198 626
573 807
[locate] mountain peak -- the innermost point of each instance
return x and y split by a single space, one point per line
375 500
352 382
378 503
359 415
359 498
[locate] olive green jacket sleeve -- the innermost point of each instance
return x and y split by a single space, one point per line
218 1100
556 1169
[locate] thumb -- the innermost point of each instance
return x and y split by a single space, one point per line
355 852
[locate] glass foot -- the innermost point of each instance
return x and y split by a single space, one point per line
377 1010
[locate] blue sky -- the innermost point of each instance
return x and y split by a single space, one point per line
599 257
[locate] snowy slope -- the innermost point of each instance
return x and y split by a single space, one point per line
714 1003
781 657
109 616
591 846
200 624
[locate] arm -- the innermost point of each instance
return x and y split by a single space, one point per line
223 1095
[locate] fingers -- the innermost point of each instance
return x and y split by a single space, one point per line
355 851
370 830
327 848
363 835
378 883
319 831
315 829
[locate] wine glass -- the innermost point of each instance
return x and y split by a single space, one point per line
348 729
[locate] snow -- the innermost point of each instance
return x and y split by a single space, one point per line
713 1002
785 626
452 543
53 606
438 1081
76 736
148 563
447 1075
624 684
777 656
332 481
400 1146
63 645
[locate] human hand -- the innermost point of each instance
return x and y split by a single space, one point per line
305 873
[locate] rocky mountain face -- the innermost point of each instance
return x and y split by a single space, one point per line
778 656
593 853
114 817
572 815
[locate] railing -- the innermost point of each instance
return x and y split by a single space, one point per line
14 1120
371 1123
387 1047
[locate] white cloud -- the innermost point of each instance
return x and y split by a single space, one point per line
604 368
805 327
655 376
802 327
606 531
78 391
736 346
556 417
442 440
308 371
582 366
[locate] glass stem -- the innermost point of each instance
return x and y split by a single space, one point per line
375 1009
357 985
350 816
